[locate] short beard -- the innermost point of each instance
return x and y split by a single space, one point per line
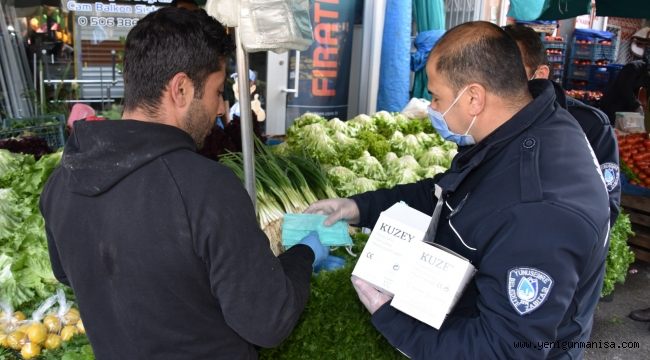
197 123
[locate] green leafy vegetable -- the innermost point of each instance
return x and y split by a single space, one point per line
385 123
619 256
377 145
368 166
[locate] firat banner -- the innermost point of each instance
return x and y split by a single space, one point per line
325 66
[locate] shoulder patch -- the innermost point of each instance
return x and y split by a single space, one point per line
528 288
610 174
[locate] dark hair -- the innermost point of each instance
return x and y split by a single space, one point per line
480 52
530 43
167 42
176 2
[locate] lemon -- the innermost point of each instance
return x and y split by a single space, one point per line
37 333
80 327
16 340
19 315
52 323
68 332
71 317
30 351
53 342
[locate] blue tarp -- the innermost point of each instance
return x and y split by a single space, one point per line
589 33
394 74
423 43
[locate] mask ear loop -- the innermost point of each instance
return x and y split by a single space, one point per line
470 125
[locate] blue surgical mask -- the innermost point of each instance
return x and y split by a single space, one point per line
439 123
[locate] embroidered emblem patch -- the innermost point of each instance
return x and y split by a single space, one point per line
528 288
610 174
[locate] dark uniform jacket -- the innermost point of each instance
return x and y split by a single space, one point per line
602 139
162 248
528 207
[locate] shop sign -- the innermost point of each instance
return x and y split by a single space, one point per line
109 8
109 20
325 66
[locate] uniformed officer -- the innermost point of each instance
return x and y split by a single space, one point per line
524 201
593 121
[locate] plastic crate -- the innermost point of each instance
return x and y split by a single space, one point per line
572 84
598 76
593 51
555 58
554 44
631 189
582 51
51 128
579 72
604 52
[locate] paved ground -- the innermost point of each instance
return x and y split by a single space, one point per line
611 323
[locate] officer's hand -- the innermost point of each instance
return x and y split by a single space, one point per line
371 298
336 209
320 251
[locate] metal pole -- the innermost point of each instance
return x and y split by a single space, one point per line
246 119
5 93
41 87
7 57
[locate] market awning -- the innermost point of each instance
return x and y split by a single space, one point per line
564 9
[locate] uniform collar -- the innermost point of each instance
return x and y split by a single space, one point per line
470 157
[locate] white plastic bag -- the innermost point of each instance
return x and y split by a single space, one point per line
275 25
630 122
416 109
226 11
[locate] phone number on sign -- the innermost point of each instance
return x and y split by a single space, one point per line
106 21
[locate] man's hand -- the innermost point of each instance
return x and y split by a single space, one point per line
336 209
371 298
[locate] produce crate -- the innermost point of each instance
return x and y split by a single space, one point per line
603 52
638 208
579 72
554 45
582 51
598 76
593 52
51 128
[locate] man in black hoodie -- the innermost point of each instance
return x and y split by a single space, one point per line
160 245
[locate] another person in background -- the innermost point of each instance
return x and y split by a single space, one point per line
593 122
517 202
160 245
624 92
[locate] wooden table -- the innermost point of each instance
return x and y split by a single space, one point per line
638 208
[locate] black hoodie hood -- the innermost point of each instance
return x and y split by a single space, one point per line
100 154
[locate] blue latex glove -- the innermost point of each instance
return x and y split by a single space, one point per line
320 251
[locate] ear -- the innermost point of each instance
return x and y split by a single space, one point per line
543 72
477 95
181 90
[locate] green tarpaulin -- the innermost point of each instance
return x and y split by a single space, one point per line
564 9
624 8
429 15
